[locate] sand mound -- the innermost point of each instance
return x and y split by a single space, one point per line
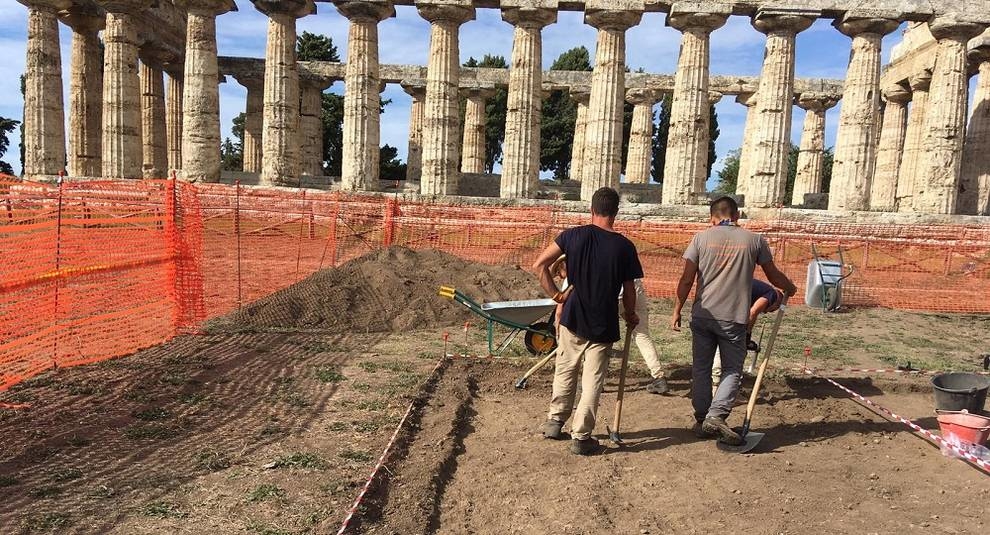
394 289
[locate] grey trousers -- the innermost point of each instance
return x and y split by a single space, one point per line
730 339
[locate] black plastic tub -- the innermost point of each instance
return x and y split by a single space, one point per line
961 391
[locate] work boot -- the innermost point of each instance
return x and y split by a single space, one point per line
699 431
551 430
725 433
588 446
752 346
658 386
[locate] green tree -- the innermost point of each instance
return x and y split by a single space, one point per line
494 112
713 133
231 155
559 117
6 126
238 128
661 133
20 145
315 47
391 168
729 174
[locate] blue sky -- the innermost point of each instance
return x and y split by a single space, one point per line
736 49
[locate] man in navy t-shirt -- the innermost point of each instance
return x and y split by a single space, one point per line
600 262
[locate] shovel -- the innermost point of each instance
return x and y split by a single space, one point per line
613 433
750 440
521 383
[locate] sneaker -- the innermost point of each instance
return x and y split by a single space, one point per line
725 433
699 431
752 346
588 446
551 430
658 386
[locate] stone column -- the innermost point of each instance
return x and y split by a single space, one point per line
974 194
441 114
811 156
362 87
945 123
883 190
121 91
44 116
767 178
690 108
173 120
85 91
700 192
153 148
581 99
855 146
640 136
907 175
746 150
521 148
254 113
280 153
311 133
414 157
473 151
602 163
201 96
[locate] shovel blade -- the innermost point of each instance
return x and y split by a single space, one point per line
614 436
751 440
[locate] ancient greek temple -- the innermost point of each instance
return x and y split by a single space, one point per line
906 139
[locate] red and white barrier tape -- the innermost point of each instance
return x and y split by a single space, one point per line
384 455
875 370
933 438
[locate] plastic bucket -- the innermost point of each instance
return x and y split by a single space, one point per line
960 391
971 428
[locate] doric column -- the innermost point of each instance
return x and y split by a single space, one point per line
280 126
85 91
746 150
414 157
44 116
974 194
254 113
811 155
173 119
153 145
945 123
767 178
441 114
855 146
640 136
883 190
121 91
362 86
311 132
521 148
603 128
581 99
700 192
201 96
907 175
473 146
689 109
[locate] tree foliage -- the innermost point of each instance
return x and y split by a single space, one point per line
495 110
729 174
391 168
6 126
315 47
560 116
661 133
231 155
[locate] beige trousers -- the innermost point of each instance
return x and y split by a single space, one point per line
572 350
641 334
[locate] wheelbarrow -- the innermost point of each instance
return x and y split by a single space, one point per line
531 316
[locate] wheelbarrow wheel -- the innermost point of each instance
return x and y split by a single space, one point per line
539 340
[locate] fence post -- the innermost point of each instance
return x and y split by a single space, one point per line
58 269
302 227
391 210
172 250
237 235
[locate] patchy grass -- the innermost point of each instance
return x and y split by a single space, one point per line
193 398
163 509
68 474
77 441
47 491
355 455
328 374
337 426
265 529
152 414
300 460
372 405
48 521
147 432
214 461
8 481
266 492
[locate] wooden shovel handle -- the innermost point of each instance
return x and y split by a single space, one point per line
763 364
622 379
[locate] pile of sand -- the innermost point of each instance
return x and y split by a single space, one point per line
394 289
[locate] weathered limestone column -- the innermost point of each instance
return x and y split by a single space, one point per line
414 157
44 116
855 146
121 91
581 99
945 123
640 136
883 191
441 114
974 193
153 144
603 128
700 192
311 131
521 148
811 155
280 153
473 146
689 109
746 151
254 114
201 96
767 178
907 175
85 91
362 88
173 120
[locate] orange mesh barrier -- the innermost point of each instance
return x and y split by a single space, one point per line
95 270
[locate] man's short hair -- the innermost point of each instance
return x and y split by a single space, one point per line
605 202
725 207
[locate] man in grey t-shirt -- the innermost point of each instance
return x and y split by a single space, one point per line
722 260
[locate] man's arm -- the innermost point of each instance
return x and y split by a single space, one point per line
542 268
683 289
758 308
629 304
778 279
